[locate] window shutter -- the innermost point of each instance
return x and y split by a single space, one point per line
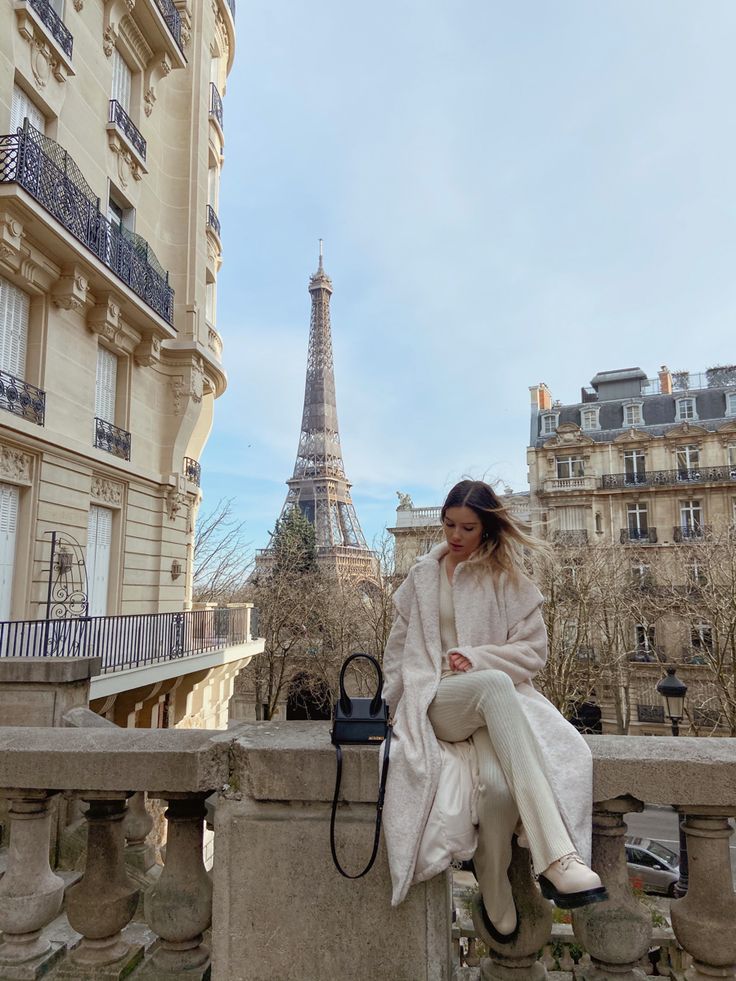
14 306
570 519
105 389
121 80
99 541
8 527
20 108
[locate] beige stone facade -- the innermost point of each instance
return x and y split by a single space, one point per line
109 254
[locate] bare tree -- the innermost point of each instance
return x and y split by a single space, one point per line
222 556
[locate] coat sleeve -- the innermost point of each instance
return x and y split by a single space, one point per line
393 685
525 650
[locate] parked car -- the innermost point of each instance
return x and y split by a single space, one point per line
652 866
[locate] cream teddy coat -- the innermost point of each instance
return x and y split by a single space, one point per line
499 625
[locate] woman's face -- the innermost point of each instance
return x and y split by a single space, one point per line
463 531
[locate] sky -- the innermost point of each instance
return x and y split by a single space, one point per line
508 193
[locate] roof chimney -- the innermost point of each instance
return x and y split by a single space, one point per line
541 397
665 380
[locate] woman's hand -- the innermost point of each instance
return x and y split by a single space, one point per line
458 662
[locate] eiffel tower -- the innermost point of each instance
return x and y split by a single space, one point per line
319 486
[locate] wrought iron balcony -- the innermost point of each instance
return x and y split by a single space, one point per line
691 533
22 399
644 536
172 17
47 172
216 104
577 537
213 221
653 478
649 713
112 439
192 470
231 5
127 127
55 24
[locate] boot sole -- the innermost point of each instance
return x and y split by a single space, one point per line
572 900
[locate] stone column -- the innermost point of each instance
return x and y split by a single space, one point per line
178 907
616 933
137 825
703 920
30 893
518 961
105 899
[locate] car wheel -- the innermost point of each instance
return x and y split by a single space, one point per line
671 890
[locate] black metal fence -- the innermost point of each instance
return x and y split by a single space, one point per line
54 23
172 17
660 478
216 104
112 439
213 221
46 171
127 641
192 470
22 399
127 127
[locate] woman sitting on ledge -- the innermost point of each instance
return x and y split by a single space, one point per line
466 643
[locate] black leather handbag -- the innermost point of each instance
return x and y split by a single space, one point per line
360 722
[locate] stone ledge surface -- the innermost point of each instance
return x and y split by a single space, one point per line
48 670
174 760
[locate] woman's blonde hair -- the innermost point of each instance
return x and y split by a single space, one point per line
505 543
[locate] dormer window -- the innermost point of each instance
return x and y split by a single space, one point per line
731 403
633 414
549 423
685 409
589 418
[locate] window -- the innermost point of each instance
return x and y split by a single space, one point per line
209 309
589 418
688 463
633 414
121 80
636 515
634 467
212 188
569 466
691 519
644 636
685 409
99 544
732 460
14 306
549 423
731 403
696 574
106 385
701 639
8 530
641 574
21 108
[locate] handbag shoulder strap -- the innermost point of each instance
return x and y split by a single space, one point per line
379 808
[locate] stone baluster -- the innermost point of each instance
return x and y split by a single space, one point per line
703 920
30 893
178 907
137 825
518 961
104 900
616 933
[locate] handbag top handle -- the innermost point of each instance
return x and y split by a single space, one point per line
346 704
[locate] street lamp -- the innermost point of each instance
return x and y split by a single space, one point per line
673 692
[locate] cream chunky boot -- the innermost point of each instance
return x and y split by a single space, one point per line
569 883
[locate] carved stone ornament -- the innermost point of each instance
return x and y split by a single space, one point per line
104 318
79 5
149 100
568 434
175 501
108 40
686 429
405 502
15 465
71 291
110 492
11 234
197 384
633 436
46 58
148 352
177 389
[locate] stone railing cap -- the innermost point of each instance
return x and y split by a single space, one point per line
48 670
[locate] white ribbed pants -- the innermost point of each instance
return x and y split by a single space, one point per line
513 783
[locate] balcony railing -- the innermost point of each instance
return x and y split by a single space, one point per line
124 642
578 537
112 439
555 484
691 533
47 172
644 536
22 399
54 23
172 17
231 5
192 470
216 104
127 127
653 478
213 221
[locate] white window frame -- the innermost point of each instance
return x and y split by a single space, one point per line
684 407
571 463
106 385
550 421
637 468
687 458
210 302
691 518
99 551
122 80
22 105
701 636
645 638
590 417
731 451
637 520
641 572
636 410
9 513
15 307
731 403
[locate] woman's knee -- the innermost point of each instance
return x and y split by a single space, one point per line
494 681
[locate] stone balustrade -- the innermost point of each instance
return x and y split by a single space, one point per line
278 907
